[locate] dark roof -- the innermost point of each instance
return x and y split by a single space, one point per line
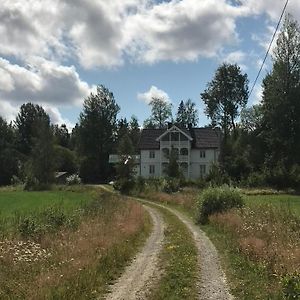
205 138
202 138
148 138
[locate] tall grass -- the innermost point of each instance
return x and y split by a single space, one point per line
73 262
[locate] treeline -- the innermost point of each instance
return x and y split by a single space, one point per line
32 149
264 147
261 144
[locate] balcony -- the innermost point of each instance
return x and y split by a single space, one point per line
175 144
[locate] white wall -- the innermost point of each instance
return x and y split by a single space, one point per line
196 161
146 161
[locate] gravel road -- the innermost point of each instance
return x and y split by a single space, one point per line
138 276
212 283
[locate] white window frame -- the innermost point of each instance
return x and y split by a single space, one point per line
151 154
202 170
202 153
151 169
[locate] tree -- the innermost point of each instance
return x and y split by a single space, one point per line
134 132
29 118
281 94
225 95
65 159
96 131
8 155
172 169
40 167
126 166
251 118
61 135
187 114
161 113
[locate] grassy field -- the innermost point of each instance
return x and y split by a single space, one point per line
56 254
289 202
28 202
259 245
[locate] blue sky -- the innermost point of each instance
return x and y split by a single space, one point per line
54 52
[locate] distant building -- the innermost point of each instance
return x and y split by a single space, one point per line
198 149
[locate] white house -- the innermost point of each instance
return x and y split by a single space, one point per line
198 149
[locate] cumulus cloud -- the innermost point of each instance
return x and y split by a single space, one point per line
153 92
101 32
41 81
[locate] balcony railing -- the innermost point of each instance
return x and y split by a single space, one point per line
181 158
175 144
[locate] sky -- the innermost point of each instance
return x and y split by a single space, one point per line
55 52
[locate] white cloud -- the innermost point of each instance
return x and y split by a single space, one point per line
100 32
182 30
153 92
41 81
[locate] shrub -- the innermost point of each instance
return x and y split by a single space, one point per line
171 185
73 179
140 184
291 286
255 179
124 186
216 176
15 180
217 200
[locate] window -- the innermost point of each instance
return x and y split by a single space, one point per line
184 151
174 136
151 169
166 152
152 154
202 170
202 153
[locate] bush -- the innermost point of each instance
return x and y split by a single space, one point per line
255 179
140 184
73 179
124 186
216 176
217 200
171 185
291 286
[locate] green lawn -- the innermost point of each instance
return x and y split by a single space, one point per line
285 201
28 202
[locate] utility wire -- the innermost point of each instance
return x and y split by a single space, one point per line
270 45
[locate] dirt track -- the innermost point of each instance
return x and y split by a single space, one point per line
211 284
138 276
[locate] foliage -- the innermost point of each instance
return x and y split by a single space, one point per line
97 124
61 135
216 176
40 167
8 155
161 113
171 185
280 102
65 159
124 185
291 286
217 200
172 169
251 118
27 123
73 179
187 114
225 95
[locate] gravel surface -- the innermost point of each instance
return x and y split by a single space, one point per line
212 281
140 274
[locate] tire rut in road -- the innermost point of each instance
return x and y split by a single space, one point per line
140 274
212 284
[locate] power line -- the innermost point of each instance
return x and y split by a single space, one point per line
270 45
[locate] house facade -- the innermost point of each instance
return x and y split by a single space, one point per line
197 148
